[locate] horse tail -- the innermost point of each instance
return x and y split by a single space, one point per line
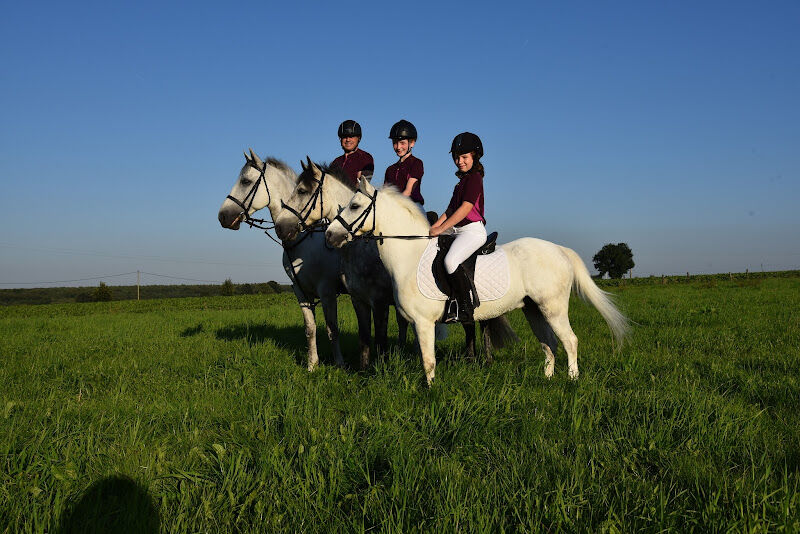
500 332
602 300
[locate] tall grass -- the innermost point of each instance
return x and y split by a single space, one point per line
198 415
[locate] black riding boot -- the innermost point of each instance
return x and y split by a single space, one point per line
460 306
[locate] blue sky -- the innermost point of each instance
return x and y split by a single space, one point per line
672 126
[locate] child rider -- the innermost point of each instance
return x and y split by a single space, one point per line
463 218
406 173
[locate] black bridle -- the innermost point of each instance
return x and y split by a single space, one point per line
250 197
361 220
247 203
311 204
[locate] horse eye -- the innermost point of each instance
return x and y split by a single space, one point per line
353 206
301 191
245 181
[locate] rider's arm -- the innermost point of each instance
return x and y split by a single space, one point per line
449 222
410 186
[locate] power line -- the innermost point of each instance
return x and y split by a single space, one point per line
134 257
65 281
179 278
109 276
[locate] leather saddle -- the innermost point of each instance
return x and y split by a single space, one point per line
440 273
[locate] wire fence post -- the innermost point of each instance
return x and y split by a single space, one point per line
137 284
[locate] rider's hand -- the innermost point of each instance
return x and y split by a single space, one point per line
435 230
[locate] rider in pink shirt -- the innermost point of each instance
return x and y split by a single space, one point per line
464 216
406 174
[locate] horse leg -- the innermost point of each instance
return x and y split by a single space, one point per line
563 330
469 335
487 341
332 325
380 315
311 336
402 328
544 333
426 335
363 315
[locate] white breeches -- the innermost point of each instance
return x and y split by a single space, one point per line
469 238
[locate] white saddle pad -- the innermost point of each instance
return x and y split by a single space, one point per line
492 277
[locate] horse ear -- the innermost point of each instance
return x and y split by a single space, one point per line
362 185
303 164
247 157
310 163
256 160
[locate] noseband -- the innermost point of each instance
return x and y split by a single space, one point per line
306 211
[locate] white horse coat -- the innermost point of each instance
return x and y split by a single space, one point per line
542 277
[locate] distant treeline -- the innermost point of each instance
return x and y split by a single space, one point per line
54 295
688 278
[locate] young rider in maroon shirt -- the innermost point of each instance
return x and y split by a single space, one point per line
354 162
406 173
464 215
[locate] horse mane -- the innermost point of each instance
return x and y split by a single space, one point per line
278 163
406 203
307 177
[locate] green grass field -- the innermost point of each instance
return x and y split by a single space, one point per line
197 415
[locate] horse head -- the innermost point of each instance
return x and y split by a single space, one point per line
305 205
355 218
255 189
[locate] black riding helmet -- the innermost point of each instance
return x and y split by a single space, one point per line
467 142
349 128
403 129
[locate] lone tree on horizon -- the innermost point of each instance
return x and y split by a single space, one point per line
103 293
615 260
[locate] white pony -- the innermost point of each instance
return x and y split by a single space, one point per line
542 277
312 267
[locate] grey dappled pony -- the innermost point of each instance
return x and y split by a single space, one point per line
312 266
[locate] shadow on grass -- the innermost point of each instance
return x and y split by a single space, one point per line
113 504
293 338
193 330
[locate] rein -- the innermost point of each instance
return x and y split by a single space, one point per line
362 219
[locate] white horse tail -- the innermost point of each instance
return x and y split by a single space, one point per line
588 290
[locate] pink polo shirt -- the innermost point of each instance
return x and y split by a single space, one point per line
352 163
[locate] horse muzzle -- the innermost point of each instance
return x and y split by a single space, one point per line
232 221
287 230
335 239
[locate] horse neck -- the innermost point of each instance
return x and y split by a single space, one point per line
281 184
400 256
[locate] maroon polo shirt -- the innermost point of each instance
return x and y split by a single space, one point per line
468 189
399 173
356 161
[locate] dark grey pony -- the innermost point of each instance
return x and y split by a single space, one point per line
361 261
367 281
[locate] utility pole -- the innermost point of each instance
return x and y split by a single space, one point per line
137 284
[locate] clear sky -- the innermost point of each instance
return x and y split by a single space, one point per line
671 126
